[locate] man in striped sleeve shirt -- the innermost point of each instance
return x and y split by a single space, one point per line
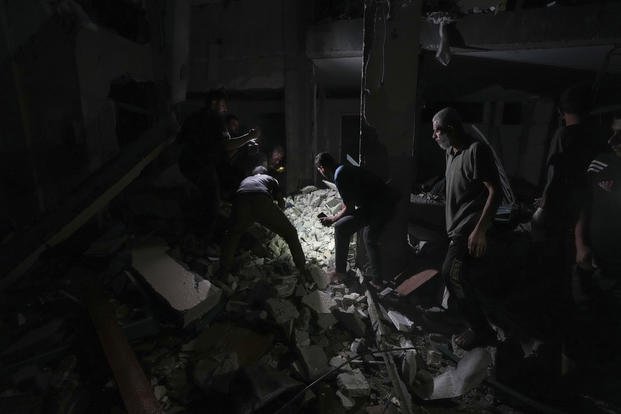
598 234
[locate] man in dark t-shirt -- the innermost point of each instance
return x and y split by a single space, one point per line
254 203
599 229
472 198
368 204
204 159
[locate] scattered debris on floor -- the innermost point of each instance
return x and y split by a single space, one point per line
249 342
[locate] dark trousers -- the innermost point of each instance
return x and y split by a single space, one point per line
466 278
371 231
206 178
259 208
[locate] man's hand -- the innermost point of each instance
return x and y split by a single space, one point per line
477 243
254 133
327 221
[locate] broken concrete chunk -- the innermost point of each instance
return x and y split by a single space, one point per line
282 310
347 402
187 293
319 301
315 360
401 322
353 384
320 277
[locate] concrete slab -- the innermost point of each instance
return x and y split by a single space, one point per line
187 293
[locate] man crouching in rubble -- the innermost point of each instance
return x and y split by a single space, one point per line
254 202
472 197
368 204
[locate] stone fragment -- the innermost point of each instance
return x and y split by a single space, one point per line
319 301
353 384
282 310
315 361
187 293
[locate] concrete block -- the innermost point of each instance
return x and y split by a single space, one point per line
315 361
318 301
187 293
282 310
320 277
353 384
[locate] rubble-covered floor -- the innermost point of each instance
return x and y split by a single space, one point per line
255 344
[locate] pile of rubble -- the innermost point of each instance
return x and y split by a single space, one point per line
264 340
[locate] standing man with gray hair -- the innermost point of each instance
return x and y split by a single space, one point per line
472 197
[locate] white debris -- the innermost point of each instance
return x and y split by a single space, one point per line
401 322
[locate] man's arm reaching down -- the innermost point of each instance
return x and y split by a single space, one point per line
477 241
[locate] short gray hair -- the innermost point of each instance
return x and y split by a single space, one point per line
448 117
